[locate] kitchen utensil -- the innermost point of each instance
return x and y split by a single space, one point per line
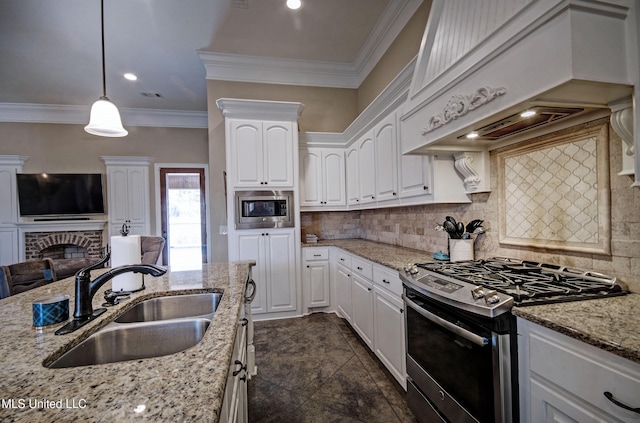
460 229
451 229
474 224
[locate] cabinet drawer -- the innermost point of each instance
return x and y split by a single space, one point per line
361 267
315 253
388 279
586 372
343 259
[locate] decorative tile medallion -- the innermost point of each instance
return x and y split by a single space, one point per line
554 192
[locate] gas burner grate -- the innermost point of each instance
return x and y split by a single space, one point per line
529 282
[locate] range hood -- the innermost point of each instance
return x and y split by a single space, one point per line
482 63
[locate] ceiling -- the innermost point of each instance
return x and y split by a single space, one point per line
50 58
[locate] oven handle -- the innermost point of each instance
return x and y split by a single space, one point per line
469 336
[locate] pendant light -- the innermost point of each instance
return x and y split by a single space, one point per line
105 120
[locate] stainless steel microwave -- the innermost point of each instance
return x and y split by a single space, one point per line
264 209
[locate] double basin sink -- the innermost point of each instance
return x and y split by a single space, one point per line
152 328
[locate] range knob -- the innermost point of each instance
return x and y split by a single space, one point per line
411 269
491 297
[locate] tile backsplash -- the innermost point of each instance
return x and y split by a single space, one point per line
414 227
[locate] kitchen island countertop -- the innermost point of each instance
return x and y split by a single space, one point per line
186 386
610 324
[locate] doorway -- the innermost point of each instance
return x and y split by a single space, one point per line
183 217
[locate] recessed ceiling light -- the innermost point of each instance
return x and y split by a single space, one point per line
472 135
294 4
527 113
130 76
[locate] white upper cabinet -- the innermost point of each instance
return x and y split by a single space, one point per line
322 177
353 177
128 194
367 168
261 154
414 175
386 159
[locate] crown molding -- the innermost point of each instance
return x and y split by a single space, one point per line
259 109
78 115
390 99
258 69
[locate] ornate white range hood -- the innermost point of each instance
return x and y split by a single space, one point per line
483 62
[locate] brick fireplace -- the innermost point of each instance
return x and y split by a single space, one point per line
61 239
76 244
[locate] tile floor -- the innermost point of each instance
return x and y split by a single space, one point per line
316 369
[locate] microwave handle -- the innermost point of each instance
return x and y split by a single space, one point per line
469 336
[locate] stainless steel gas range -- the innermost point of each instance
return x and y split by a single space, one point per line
461 335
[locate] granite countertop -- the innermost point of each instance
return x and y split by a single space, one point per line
607 323
610 324
186 386
388 255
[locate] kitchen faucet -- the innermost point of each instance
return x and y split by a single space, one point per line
86 289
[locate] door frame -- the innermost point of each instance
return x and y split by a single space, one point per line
158 205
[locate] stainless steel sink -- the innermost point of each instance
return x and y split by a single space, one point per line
172 307
134 341
152 328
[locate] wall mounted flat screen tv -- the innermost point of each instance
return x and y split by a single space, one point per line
57 194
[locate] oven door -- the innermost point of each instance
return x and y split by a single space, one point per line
455 362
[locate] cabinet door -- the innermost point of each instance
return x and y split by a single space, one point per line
343 292
389 333
8 246
362 317
334 178
8 195
311 180
138 187
386 159
281 261
278 154
353 176
414 175
367 169
251 247
246 153
118 194
317 276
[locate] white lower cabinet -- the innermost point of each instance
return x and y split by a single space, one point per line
369 297
275 269
388 315
343 291
362 314
315 276
564 380
234 404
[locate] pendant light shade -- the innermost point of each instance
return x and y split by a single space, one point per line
104 120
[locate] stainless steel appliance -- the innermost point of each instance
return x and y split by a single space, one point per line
461 335
264 209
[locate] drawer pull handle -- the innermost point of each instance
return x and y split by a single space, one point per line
317 255
242 367
610 397
359 268
385 281
341 259
244 321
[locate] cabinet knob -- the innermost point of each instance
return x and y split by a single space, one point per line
244 321
307 266
425 187
368 289
359 268
394 193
